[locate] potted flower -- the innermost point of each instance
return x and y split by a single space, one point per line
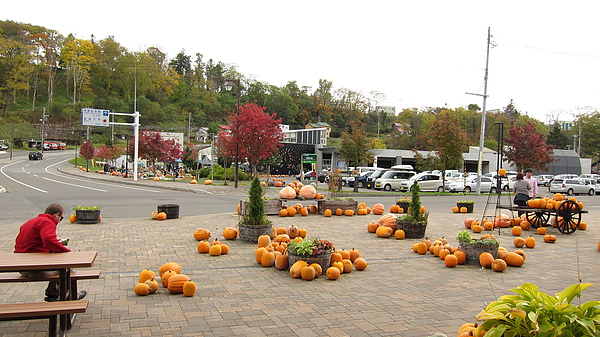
414 223
254 223
87 214
473 247
403 202
468 204
313 250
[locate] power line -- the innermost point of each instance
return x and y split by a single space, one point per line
545 50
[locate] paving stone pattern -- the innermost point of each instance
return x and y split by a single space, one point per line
401 293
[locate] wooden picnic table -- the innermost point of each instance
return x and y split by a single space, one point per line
61 262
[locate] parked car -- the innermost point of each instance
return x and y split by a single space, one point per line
362 180
374 176
391 180
62 146
427 182
571 186
544 179
471 185
321 176
35 156
3 147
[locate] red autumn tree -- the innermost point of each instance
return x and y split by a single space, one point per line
109 153
252 135
87 151
153 148
527 148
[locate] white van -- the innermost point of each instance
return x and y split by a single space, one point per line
402 168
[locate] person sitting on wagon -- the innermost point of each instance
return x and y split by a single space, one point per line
521 189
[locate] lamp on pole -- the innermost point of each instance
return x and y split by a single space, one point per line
43 120
229 86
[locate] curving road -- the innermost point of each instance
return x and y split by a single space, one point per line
33 184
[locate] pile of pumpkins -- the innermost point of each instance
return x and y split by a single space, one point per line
298 209
273 253
216 247
385 227
456 209
297 190
171 278
453 256
361 209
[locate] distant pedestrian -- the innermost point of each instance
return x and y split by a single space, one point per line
532 181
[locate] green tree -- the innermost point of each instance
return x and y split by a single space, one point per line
590 137
15 63
557 137
356 148
449 141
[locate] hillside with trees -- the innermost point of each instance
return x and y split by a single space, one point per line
44 70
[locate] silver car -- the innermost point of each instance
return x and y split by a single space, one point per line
427 182
471 185
391 180
571 186
544 179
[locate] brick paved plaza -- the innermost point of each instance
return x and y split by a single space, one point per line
400 294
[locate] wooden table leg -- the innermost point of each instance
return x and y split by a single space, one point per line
64 280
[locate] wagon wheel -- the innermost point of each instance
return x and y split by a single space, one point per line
568 216
537 219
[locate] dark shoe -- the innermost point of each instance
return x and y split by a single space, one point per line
82 294
51 298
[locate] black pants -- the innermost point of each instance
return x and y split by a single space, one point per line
52 289
521 200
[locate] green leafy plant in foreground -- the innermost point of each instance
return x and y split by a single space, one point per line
86 208
534 313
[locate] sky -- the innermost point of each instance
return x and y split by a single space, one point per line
545 55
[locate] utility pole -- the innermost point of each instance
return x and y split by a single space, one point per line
483 115
43 120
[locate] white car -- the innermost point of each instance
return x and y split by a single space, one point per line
427 182
391 180
471 185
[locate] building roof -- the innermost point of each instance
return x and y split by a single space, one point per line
319 125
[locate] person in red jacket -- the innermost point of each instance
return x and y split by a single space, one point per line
38 235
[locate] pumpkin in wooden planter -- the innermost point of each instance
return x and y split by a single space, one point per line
176 282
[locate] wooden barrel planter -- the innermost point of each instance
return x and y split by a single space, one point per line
323 259
251 234
473 250
412 230
85 216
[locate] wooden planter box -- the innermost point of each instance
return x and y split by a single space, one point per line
87 216
251 234
272 207
335 204
469 206
473 251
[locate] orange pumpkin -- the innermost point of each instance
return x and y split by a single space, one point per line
201 234
349 212
455 209
486 259
541 230
388 220
372 227
517 230
174 266
499 265
378 209
229 233
450 260
338 212
384 232
203 247
514 259
327 212
175 284
291 211
530 242
287 193
360 264
399 234
308 192
161 216
549 238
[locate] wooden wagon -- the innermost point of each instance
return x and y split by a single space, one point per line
567 215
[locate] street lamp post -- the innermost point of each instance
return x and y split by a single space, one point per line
43 120
229 86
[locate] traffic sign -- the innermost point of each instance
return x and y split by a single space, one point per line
94 117
308 158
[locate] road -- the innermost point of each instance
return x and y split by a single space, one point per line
33 184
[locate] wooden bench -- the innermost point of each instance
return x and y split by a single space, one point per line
51 310
76 275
